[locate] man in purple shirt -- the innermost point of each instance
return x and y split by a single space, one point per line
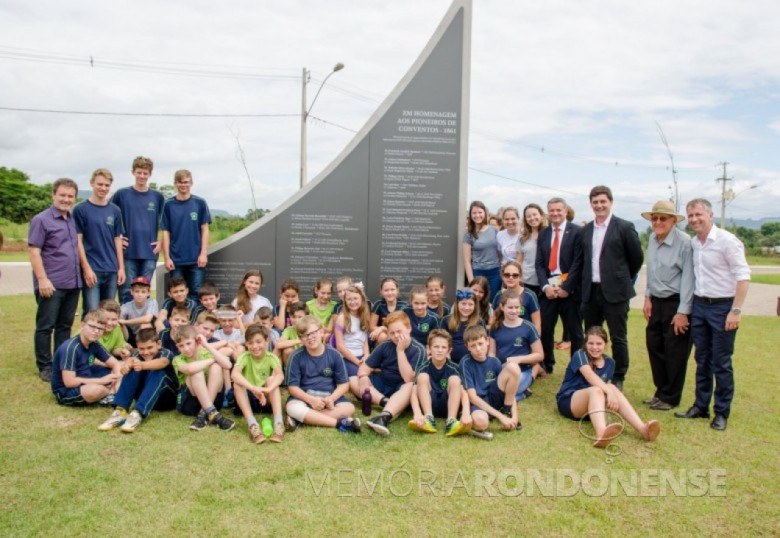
53 248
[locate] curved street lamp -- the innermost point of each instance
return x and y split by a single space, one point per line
305 110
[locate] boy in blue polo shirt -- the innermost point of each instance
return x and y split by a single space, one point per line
438 391
492 389
317 381
185 237
99 228
397 357
74 379
141 209
177 296
148 379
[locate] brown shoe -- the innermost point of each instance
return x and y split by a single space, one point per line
650 401
610 432
278 433
256 434
653 429
660 405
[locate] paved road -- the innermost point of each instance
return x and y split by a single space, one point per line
761 300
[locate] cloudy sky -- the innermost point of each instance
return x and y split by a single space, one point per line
565 94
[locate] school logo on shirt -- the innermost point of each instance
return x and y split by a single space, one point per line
110 221
194 215
327 372
150 207
443 383
490 376
522 311
519 341
424 327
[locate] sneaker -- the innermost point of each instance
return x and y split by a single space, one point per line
430 424
200 421
256 434
45 375
107 400
486 435
278 433
132 422
379 424
347 424
115 419
455 427
291 424
222 422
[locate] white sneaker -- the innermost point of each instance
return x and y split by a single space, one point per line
486 435
132 422
116 419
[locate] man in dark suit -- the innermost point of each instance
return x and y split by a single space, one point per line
612 258
559 270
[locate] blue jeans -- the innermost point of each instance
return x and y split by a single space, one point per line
134 268
55 315
104 288
151 389
193 275
714 347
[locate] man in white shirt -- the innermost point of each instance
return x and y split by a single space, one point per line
721 285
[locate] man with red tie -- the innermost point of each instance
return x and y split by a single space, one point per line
559 269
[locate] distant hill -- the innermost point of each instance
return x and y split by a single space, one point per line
221 213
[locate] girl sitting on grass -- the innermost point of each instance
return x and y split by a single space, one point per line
586 390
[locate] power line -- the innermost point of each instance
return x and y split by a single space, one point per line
146 114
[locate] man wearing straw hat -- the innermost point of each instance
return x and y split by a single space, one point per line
668 302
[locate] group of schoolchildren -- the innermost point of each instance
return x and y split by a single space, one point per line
465 364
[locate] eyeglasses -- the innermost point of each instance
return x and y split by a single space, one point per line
311 334
96 328
662 218
511 275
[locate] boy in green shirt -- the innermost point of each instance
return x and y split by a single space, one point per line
290 341
199 368
256 379
113 338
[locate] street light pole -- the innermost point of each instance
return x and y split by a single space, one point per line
305 114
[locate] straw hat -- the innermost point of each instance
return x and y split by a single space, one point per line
663 207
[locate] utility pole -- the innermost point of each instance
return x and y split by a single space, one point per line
724 179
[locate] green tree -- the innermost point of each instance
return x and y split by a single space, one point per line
20 200
255 214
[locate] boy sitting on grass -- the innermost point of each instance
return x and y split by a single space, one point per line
177 296
74 379
140 312
113 338
397 357
492 389
148 379
317 381
438 390
180 317
199 368
256 379
289 341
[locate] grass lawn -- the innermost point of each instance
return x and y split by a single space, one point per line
62 476
766 279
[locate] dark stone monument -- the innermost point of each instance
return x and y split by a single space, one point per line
391 204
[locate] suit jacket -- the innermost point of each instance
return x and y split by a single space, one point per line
570 257
620 260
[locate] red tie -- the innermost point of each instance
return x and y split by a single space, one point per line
553 265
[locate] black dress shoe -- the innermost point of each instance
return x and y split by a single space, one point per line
660 405
45 375
693 412
718 423
618 383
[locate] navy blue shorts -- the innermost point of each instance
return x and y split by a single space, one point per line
439 400
68 396
188 404
494 398
255 403
564 406
340 400
384 388
352 368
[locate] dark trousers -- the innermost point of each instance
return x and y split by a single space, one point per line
596 312
151 389
714 347
55 315
569 312
668 352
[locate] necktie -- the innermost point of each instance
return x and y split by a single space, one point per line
553 265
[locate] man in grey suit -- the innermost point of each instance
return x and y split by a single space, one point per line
612 257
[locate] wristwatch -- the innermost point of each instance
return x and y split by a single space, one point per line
736 310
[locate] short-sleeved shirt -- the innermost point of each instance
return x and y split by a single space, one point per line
479 375
381 310
189 303
182 219
512 341
56 236
385 357
529 303
322 373
507 244
287 318
141 213
162 354
129 310
439 376
322 314
445 308
459 349
422 326
113 339
234 336
99 226
257 371
291 334
528 249
168 343
484 248
180 360
74 356
573 380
